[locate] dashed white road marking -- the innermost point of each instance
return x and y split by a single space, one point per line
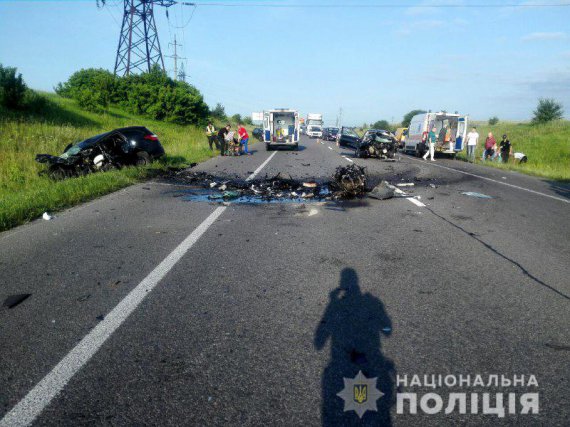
410 198
560 199
39 397
330 148
350 160
254 174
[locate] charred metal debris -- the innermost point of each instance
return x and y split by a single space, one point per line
348 182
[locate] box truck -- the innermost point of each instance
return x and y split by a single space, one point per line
281 128
450 142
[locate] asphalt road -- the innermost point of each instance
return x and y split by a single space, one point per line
149 309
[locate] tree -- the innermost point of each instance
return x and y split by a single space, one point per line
493 121
364 125
236 118
408 117
547 110
12 87
219 112
382 124
247 120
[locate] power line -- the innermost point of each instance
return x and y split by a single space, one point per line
381 6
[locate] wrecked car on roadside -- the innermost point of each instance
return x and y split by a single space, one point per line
134 145
377 143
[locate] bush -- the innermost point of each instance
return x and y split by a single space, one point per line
493 121
547 111
219 112
151 94
12 88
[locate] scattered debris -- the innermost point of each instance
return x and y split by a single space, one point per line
47 216
477 195
83 298
387 329
432 186
100 317
14 300
405 184
382 191
349 181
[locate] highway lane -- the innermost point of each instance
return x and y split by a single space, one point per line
240 329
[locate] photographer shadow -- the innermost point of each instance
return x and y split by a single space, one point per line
354 323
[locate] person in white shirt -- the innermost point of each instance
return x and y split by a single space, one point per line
472 140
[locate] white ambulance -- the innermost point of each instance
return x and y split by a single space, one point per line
451 130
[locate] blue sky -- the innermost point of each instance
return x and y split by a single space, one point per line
375 63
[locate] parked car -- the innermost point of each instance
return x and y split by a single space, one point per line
258 133
347 137
377 143
135 145
329 134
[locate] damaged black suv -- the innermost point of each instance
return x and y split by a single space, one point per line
135 145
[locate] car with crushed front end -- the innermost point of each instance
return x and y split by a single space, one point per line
134 145
377 143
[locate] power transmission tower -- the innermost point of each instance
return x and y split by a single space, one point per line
139 47
182 73
175 56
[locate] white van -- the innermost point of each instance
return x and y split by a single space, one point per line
421 125
281 128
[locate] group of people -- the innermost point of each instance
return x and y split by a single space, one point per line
226 141
492 151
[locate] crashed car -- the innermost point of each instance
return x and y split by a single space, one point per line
135 145
377 143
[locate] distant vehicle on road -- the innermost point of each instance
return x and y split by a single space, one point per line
135 145
421 125
401 136
303 129
281 128
329 134
314 131
314 119
377 143
258 133
347 137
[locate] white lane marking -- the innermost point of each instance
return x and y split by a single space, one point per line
410 198
350 160
330 148
254 174
26 411
498 182
38 398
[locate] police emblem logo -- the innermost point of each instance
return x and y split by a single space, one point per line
360 394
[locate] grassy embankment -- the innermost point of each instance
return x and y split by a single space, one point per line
546 146
24 195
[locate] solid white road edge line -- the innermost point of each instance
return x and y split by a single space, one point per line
498 182
38 398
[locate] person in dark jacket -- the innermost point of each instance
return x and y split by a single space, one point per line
505 147
222 134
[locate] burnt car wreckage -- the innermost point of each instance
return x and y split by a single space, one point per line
134 145
347 183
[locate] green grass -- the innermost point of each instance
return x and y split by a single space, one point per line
546 146
24 195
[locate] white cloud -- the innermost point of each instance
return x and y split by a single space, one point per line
544 36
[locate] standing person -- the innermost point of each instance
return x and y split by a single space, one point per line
222 134
211 134
490 147
432 138
472 140
505 146
243 138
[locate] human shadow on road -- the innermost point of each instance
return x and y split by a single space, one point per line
354 322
